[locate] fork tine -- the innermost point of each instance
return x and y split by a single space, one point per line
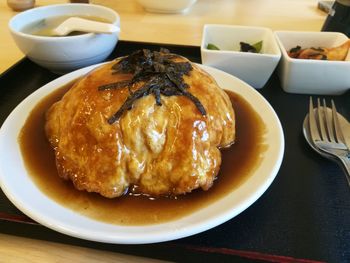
329 123
312 123
321 120
338 131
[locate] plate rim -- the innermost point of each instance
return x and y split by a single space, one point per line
181 230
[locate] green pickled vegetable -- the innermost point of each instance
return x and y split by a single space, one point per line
212 47
255 48
258 46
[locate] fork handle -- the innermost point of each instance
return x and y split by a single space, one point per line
346 164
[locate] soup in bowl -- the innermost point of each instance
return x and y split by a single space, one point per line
31 32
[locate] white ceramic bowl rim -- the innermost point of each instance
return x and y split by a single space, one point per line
167 6
240 53
116 20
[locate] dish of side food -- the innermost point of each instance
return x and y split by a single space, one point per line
320 67
338 53
150 153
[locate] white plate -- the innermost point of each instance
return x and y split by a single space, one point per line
26 196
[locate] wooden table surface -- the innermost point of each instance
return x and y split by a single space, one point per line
138 25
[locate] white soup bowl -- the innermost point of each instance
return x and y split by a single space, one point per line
68 53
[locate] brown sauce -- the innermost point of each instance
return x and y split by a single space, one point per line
239 162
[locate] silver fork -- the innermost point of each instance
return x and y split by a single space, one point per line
327 135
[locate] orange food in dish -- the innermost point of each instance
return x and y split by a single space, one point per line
151 123
338 53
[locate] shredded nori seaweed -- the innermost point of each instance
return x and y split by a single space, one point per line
159 74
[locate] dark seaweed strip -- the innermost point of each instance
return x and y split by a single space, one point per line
127 105
182 86
115 85
196 101
161 76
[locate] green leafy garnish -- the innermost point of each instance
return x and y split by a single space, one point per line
255 48
212 47
258 46
245 47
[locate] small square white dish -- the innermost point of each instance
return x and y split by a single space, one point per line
308 76
253 68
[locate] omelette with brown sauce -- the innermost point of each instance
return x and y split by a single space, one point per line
150 122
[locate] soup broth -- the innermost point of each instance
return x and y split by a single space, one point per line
44 27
